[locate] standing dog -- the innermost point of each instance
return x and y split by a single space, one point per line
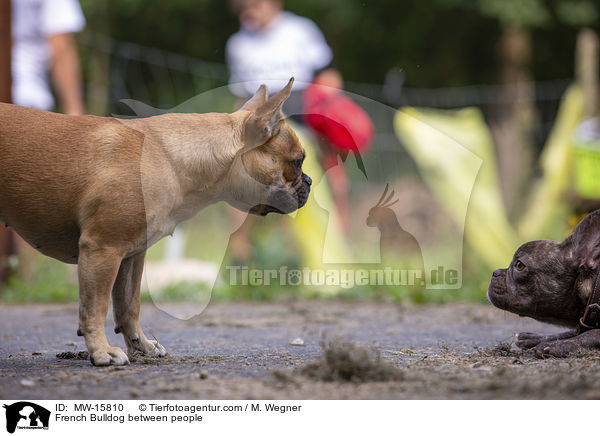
99 191
558 283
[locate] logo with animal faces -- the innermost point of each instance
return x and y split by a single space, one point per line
397 246
24 415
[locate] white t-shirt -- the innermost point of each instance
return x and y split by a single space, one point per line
33 21
289 46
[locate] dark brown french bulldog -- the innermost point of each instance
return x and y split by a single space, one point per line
552 282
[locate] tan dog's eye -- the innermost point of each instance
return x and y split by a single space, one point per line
297 163
520 266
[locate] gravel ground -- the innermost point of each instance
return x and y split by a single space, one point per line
246 351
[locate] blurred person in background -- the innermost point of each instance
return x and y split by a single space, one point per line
42 43
271 46
42 32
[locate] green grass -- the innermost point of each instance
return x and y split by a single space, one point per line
56 290
54 282
50 283
51 289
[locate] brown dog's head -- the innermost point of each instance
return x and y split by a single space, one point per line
266 175
551 281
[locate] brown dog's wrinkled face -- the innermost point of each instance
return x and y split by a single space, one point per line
545 278
278 166
538 283
267 175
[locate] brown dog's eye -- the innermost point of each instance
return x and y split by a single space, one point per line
298 164
520 266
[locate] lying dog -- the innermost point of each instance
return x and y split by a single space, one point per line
99 191
556 283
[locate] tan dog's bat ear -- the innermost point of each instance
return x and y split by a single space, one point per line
263 123
259 98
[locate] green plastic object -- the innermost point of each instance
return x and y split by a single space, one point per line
586 160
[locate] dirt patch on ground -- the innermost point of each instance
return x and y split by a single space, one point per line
386 351
344 361
70 355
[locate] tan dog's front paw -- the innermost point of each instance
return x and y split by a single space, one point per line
146 347
109 356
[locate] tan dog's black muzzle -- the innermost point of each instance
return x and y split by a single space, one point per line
282 202
303 189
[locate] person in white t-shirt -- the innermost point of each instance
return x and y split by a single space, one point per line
42 42
271 46
42 33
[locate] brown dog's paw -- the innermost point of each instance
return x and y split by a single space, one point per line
110 356
146 347
555 349
528 335
526 340
158 350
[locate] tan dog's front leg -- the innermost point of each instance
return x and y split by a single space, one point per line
98 267
126 308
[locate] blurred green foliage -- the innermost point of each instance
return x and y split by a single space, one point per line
50 283
436 43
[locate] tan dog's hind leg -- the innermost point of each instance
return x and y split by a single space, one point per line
98 267
126 308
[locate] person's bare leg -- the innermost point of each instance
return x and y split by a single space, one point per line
27 256
239 241
338 182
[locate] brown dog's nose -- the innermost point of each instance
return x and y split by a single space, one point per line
497 273
307 179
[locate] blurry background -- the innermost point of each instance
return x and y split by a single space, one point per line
527 69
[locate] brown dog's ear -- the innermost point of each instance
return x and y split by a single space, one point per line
263 123
258 99
584 242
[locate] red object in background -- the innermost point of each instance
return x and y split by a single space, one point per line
344 124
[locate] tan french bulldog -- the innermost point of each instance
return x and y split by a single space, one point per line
99 191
